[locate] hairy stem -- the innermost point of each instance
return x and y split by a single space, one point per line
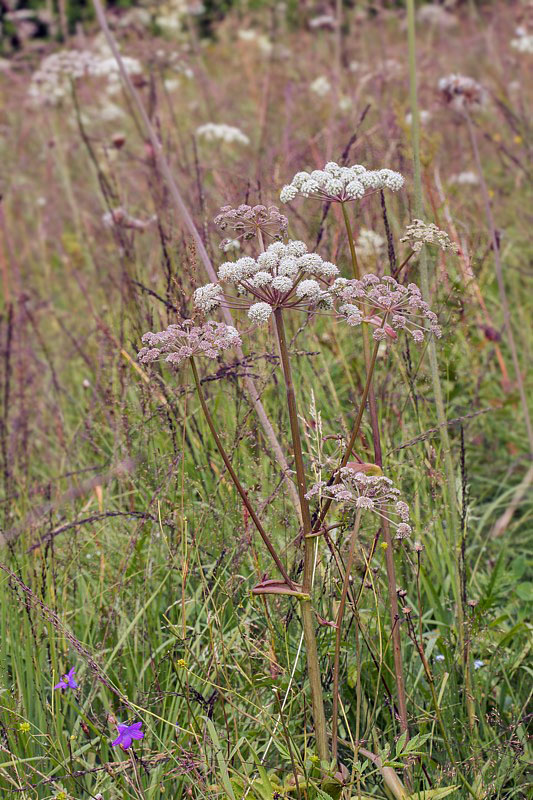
209 419
308 620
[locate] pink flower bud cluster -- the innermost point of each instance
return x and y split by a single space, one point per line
179 342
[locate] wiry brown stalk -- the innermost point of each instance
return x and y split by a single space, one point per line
209 419
370 360
308 619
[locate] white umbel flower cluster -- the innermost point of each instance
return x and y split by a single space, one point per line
283 276
51 83
463 93
420 233
372 493
386 305
213 132
340 184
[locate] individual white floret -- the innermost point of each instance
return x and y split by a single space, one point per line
352 314
288 193
282 283
208 297
296 248
230 272
247 265
260 313
288 266
261 279
310 289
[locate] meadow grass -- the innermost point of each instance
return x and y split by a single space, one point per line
126 551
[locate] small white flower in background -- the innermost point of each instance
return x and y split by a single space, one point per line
323 21
369 243
51 83
437 16
419 233
523 42
171 84
179 342
321 86
345 103
110 112
355 66
119 218
283 276
213 132
247 35
462 92
465 179
478 664
424 117
373 493
391 68
340 184
263 42
439 657
230 244
387 305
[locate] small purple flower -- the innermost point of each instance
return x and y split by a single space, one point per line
126 735
67 681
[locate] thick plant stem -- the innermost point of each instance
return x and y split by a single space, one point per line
370 360
308 619
338 633
209 419
451 506
183 212
501 284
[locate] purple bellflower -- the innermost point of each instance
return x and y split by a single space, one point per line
126 735
67 681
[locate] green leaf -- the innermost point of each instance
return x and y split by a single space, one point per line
400 744
525 592
224 775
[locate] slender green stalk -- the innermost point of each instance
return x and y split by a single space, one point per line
370 360
308 619
338 632
264 535
451 502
